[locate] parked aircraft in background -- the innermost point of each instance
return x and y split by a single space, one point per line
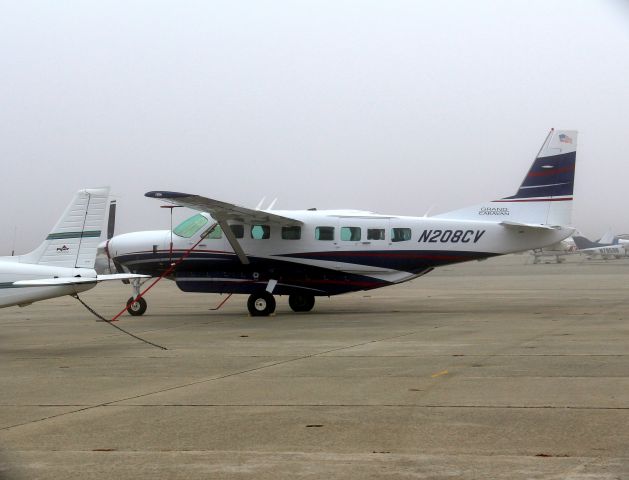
64 263
559 251
309 253
608 247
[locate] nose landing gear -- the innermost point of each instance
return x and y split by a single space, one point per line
136 306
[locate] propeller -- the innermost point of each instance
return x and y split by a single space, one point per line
111 228
111 222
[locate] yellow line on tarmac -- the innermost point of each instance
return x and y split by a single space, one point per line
438 374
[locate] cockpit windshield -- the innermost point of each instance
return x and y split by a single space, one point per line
189 227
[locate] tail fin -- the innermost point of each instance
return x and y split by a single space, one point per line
546 193
582 243
609 238
74 239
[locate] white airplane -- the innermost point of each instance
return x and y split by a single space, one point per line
309 253
608 247
64 263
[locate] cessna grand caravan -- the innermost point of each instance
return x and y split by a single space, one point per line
310 253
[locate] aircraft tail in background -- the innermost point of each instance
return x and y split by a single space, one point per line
74 239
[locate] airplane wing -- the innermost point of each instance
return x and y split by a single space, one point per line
222 212
53 282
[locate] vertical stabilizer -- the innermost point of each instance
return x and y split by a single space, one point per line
609 238
546 193
74 239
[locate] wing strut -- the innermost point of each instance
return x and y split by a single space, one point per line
233 241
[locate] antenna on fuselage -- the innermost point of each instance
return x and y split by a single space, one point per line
14 236
272 204
429 210
259 206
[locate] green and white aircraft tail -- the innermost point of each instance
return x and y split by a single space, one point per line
73 241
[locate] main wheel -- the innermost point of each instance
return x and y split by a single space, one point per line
261 304
301 302
136 307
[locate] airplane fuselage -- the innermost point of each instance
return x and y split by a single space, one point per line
12 270
332 252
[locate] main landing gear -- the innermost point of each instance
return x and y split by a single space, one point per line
301 302
262 304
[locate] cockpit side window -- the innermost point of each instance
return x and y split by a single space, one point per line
215 234
190 226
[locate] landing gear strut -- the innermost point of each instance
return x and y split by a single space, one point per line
136 307
301 302
261 304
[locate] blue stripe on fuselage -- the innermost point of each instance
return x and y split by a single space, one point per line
284 268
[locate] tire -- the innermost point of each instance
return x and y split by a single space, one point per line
261 304
136 308
301 302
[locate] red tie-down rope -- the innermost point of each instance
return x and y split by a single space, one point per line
168 271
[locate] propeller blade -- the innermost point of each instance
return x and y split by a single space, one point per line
119 269
111 222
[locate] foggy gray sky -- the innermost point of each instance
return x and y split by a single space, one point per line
391 106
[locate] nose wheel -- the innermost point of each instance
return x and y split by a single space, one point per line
136 307
261 304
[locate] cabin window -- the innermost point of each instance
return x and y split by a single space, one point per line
260 232
375 234
238 230
324 233
190 226
215 234
350 234
291 233
400 234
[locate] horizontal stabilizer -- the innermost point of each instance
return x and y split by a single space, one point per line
532 226
52 282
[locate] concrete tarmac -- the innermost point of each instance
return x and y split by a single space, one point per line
484 370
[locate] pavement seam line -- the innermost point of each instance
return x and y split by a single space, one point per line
205 380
